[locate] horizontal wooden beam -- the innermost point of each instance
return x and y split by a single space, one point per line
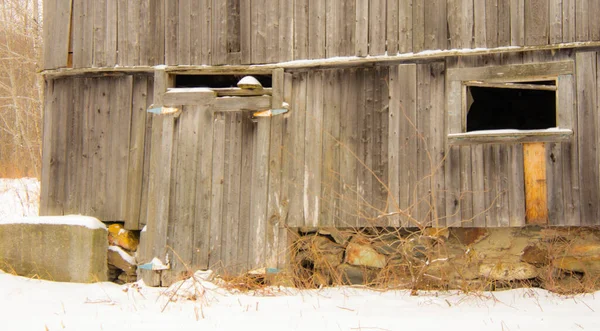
299 65
188 96
241 103
513 73
509 136
512 86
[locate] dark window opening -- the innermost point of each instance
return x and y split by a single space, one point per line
492 108
217 81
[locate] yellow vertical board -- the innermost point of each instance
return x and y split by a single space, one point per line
536 202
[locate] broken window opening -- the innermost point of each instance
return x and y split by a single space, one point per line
217 81
511 107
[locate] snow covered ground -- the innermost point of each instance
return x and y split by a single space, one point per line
31 304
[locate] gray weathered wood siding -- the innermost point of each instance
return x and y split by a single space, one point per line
360 147
106 33
94 145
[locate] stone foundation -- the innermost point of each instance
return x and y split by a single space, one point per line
564 260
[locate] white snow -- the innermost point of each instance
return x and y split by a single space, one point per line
19 197
76 220
32 304
124 255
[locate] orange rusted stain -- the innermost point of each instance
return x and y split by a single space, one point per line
536 203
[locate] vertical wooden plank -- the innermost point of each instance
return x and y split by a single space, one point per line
219 33
231 207
202 223
330 180
272 30
394 147
594 9
536 22
245 232
425 170
285 236
409 140
436 145
182 211
582 20
460 23
121 142
246 31
286 31
479 183
171 32
294 152
134 12
456 177
101 146
313 149
491 23
316 29
381 141
300 29
555 8
83 33
516 193
554 171
349 139
219 168
258 205
587 121
136 153
111 33
436 25
362 28
183 32
147 150
466 188
418 27
405 26
274 204
347 28
124 46
568 21
332 27
517 22
150 230
87 109
567 118
490 186
454 202
503 22
377 27
200 36
502 169
100 35
392 26
479 24
75 132
536 204
259 31
366 149
57 25
233 26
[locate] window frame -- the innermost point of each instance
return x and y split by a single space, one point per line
459 79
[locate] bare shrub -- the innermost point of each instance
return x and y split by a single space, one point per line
21 89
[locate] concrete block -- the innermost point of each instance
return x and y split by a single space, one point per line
59 248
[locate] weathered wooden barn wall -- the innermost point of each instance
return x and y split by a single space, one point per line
106 33
94 146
